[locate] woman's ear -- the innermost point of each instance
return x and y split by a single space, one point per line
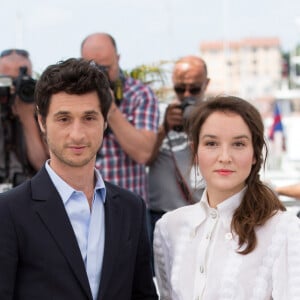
192 146
196 160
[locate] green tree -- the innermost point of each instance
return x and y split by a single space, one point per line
157 75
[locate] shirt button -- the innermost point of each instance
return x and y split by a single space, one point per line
228 236
213 213
192 234
201 269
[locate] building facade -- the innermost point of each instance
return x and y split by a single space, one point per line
249 68
295 67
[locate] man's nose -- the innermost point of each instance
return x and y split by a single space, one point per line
187 93
77 130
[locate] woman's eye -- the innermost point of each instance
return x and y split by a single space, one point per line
210 143
239 144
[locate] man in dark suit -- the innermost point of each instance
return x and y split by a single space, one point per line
66 234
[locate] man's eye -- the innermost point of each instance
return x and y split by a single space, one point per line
64 119
90 118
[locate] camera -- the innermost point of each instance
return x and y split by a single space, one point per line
116 86
5 85
19 178
23 85
186 105
187 102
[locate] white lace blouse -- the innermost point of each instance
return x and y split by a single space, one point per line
196 258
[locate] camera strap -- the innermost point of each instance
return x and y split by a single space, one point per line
118 91
5 145
181 182
21 149
15 159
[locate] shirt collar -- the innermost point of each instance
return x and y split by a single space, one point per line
225 209
65 190
228 206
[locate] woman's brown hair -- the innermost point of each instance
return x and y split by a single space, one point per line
259 202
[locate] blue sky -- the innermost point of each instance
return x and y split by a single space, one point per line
145 31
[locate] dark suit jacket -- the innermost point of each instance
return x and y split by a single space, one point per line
40 258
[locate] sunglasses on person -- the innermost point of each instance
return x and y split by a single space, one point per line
193 90
20 52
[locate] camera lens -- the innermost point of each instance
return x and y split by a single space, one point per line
26 90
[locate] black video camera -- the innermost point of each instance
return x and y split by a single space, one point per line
187 102
116 86
23 85
186 106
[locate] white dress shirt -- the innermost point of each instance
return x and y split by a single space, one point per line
88 224
196 255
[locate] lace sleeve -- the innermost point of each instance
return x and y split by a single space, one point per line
286 271
162 261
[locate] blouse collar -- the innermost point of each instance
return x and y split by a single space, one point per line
225 209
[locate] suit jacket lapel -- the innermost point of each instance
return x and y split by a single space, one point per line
51 210
113 221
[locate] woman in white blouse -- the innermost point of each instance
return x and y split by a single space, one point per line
238 242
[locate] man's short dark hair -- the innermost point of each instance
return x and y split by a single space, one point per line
72 76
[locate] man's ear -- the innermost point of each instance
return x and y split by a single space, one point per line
206 83
41 123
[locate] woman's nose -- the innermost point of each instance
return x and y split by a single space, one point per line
225 155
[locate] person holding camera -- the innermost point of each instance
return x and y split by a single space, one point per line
170 176
22 150
132 119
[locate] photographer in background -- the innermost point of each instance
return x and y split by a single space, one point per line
170 171
132 119
22 150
